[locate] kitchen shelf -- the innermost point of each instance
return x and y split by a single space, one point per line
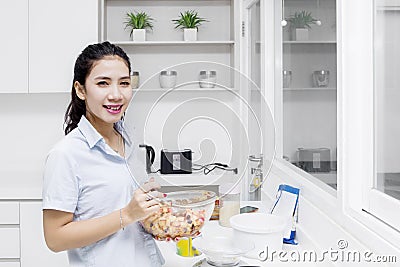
144 90
172 43
193 179
308 42
310 89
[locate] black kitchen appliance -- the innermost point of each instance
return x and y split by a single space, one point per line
315 159
150 155
176 162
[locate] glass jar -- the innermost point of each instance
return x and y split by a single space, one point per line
321 78
207 79
287 78
135 79
229 203
168 78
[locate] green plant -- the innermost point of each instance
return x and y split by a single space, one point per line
138 20
301 19
189 19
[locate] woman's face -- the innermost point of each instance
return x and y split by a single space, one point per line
107 91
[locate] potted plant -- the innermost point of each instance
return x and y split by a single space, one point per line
300 23
138 22
189 21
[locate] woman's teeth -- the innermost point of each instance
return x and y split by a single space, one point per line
113 107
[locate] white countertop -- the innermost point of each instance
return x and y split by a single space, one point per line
173 260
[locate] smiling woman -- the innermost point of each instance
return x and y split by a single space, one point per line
89 164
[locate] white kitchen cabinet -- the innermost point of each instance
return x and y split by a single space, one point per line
34 251
14 47
9 243
9 212
10 264
58 32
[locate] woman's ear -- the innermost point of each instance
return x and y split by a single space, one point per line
79 90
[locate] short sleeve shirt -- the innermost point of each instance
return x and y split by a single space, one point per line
84 176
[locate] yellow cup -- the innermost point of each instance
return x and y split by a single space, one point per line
185 248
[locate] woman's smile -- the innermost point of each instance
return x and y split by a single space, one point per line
113 109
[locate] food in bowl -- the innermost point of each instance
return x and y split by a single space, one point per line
181 214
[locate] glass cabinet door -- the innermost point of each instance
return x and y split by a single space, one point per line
387 97
309 72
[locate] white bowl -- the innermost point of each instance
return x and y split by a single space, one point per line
266 230
222 249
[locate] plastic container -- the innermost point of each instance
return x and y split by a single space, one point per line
168 78
181 214
135 79
207 79
266 230
229 203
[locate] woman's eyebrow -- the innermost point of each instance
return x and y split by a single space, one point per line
102 78
125 77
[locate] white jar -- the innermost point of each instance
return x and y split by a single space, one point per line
168 78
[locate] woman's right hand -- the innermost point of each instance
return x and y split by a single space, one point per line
145 201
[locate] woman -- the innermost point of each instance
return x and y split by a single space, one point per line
91 204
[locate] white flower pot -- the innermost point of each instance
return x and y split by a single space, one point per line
301 34
139 35
190 34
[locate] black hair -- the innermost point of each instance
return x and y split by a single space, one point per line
83 66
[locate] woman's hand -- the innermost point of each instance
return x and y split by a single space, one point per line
145 201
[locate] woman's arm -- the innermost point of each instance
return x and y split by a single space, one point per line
61 233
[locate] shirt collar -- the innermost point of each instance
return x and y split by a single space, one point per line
92 135
89 132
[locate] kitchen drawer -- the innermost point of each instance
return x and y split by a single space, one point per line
10 264
9 243
9 212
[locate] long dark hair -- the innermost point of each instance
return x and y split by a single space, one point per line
83 66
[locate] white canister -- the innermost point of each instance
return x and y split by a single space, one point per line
266 230
168 78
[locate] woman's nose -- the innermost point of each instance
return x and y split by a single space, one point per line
115 92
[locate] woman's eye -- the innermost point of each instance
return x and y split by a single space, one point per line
125 83
102 83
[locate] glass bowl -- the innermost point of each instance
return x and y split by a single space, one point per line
223 249
181 214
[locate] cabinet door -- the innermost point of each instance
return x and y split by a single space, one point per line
58 32
14 47
34 251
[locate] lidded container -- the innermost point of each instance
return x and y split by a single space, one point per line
135 79
168 78
229 202
207 78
